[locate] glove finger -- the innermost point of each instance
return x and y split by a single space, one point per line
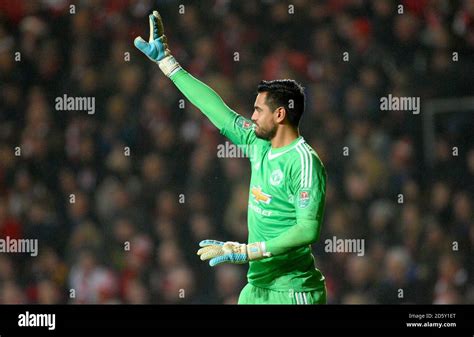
159 23
153 28
211 252
161 47
205 249
205 243
220 259
142 45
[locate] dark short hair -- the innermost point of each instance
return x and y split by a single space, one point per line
281 93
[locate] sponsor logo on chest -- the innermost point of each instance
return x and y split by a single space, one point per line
260 196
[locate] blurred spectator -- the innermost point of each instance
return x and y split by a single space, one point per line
229 279
120 199
91 282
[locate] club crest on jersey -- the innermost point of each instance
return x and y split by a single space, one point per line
303 200
244 123
260 196
276 177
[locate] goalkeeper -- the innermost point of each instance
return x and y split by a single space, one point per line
287 186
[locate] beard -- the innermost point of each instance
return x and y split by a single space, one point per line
266 134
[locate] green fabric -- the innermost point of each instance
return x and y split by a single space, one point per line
255 295
286 206
286 199
302 233
204 98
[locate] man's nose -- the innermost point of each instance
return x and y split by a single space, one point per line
254 117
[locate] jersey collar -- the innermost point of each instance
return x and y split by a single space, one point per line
277 152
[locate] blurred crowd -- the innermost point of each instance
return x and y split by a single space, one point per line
120 199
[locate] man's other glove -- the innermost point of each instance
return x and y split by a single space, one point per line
231 252
156 49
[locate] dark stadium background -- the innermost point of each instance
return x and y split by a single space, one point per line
173 190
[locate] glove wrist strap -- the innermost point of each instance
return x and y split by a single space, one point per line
257 251
169 65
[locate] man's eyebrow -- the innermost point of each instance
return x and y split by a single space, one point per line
257 107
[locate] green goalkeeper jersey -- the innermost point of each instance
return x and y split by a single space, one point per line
287 185
286 195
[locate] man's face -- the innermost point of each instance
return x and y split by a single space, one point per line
264 118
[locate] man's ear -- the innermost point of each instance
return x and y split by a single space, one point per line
280 114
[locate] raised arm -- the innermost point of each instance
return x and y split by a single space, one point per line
204 98
198 93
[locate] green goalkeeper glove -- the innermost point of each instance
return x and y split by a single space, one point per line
156 49
231 252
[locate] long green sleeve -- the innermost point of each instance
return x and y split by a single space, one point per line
301 234
204 98
309 217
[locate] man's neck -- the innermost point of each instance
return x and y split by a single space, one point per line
284 136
